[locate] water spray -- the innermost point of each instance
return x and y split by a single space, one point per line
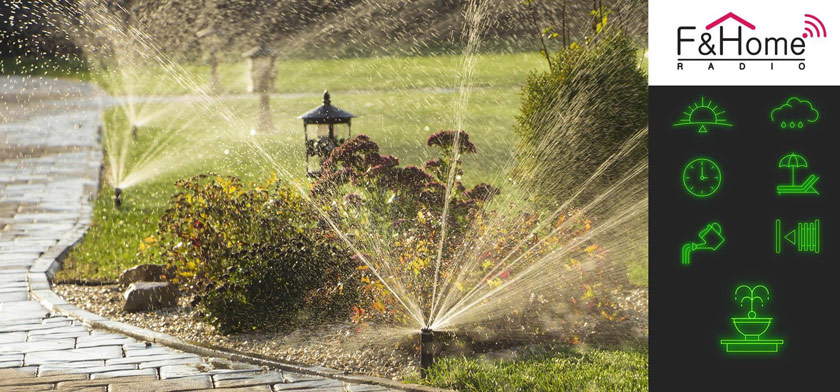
118 197
427 357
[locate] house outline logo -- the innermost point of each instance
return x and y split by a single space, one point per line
730 15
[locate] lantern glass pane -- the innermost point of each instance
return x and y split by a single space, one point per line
323 130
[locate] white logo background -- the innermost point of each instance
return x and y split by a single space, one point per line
772 18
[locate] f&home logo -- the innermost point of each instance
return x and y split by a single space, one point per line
733 41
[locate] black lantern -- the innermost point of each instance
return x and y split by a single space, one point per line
322 127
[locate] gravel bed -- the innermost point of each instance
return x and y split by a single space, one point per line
341 346
382 352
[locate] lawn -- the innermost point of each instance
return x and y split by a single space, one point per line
398 104
306 76
547 369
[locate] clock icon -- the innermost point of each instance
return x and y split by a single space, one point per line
702 177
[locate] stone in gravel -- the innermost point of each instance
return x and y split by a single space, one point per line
144 273
142 296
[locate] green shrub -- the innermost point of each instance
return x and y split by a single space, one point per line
252 255
579 113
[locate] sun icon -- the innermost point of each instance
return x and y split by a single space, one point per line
703 115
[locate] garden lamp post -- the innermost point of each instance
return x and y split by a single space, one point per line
321 129
261 63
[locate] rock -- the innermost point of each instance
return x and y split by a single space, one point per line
142 296
144 273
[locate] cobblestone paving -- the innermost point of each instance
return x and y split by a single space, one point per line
49 168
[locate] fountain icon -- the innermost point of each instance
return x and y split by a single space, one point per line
752 328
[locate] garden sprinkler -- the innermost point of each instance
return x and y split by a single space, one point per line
711 238
427 340
118 197
134 132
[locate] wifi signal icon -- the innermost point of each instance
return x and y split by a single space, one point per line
814 26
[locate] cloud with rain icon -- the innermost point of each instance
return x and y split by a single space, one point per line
794 114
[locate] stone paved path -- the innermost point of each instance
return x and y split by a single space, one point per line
49 168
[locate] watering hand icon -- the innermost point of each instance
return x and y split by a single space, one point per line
711 238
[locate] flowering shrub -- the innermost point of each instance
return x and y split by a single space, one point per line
252 254
402 205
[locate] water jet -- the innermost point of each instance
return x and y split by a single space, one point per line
427 345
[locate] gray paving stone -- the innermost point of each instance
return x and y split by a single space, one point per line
271 377
10 364
226 374
103 382
147 351
149 358
33 347
319 385
176 371
12 337
66 335
12 297
30 327
124 373
365 388
83 342
177 384
79 354
59 329
183 361
29 388
11 357
5 323
29 371
99 388
104 371
70 365
252 388
25 382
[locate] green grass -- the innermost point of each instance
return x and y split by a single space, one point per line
369 73
45 66
547 369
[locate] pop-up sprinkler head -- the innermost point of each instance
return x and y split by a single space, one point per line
117 197
134 132
427 341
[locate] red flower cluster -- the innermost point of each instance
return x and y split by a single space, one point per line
446 141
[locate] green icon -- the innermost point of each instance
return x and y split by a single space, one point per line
711 238
795 113
701 177
805 236
752 327
794 161
703 115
